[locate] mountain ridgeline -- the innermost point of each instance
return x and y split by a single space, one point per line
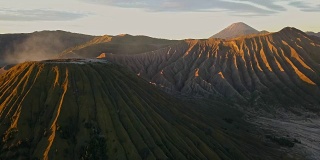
277 68
93 109
313 34
121 44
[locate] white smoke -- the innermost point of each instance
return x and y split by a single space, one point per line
39 46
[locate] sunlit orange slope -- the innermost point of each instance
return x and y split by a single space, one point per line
276 67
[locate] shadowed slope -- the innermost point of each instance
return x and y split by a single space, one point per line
96 110
121 44
280 67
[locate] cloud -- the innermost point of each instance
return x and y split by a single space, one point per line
38 15
306 7
267 4
235 7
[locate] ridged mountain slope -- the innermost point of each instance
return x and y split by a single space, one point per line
280 67
121 44
90 109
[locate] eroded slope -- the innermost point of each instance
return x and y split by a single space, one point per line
92 109
280 67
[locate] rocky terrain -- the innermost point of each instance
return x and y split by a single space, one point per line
306 133
93 109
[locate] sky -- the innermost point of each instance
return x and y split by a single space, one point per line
170 19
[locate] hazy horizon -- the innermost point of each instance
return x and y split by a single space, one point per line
170 19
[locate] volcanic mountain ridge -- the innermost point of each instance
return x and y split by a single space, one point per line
93 109
121 44
277 68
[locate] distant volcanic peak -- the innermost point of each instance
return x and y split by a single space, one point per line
236 30
239 25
